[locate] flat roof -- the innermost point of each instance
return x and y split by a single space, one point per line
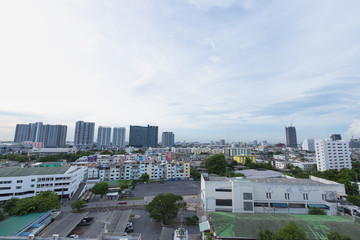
285 180
253 172
29 171
12 225
247 225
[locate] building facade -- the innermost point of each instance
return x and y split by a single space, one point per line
291 139
269 195
143 136
308 145
118 140
84 134
168 139
332 154
27 182
52 136
104 136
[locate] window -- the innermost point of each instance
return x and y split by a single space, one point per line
287 195
296 205
323 196
33 180
260 204
5 188
247 196
19 181
268 195
32 185
305 196
248 206
222 190
223 202
18 187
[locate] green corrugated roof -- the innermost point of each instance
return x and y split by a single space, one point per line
247 225
15 172
12 225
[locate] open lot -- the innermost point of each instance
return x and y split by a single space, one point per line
181 187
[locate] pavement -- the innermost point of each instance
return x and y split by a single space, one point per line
64 224
181 187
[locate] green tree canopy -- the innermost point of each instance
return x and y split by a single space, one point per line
291 232
316 211
194 173
145 177
100 188
216 164
2 216
164 207
78 204
334 235
266 234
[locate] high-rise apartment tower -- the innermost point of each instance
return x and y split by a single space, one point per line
291 140
84 134
332 154
118 137
168 139
104 137
143 136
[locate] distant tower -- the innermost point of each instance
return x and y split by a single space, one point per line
104 136
291 140
118 137
167 139
84 134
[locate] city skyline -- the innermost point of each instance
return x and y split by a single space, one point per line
205 70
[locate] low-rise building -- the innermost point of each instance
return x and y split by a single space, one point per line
242 158
271 195
27 182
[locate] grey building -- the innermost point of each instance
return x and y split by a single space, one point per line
104 137
118 137
291 140
168 139
143 136
335 137
53 136
84 134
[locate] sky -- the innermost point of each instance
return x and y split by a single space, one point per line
206 70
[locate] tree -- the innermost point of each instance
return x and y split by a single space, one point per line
164 207
291 232
216 164
9 205
266 234
46 200
194 173
334 235
316 211
100 188
78 204
2 216
145 177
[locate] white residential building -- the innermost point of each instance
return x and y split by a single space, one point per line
271 195
27 182
305 166
332 154
237 151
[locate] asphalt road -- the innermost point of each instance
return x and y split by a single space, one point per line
182 187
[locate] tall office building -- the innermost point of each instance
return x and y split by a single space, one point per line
308 145
53 136
84 134
291 140
143 136
335 137
332 154
168 139
104 136
118 137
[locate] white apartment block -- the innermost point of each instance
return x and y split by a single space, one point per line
332 154
27 182
270 195
237 151
305 166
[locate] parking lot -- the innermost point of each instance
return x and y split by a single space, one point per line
181 187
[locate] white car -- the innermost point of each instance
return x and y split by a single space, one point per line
74 236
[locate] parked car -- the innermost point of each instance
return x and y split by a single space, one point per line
122 202
74 236
129 229
86 221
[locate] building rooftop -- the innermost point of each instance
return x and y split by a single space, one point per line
255 173
247 225
15 172
12 225
285 180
